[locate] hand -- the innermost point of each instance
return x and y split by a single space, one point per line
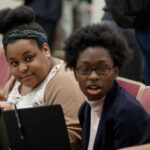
6 105
2 95
4 91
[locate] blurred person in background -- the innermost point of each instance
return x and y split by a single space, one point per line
76 13
48 14
134 69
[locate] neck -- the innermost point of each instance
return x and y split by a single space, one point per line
96 105
54 61
23 90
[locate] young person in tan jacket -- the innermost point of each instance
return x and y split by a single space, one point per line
37 78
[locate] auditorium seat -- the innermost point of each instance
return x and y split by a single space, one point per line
144 98
133 87
4 69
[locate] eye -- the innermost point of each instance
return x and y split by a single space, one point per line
29 58
13 63
84 70
103 69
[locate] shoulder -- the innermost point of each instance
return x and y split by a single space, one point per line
64 78
127 102
121 104
127 108
64 87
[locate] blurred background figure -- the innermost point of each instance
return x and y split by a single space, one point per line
134 69
48 14
76 13
143 38
70 15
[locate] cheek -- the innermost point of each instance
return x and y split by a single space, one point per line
43 63
14 71
107 84
82 87
82 83
78 77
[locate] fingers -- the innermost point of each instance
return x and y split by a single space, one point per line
2 96
5 105
8 86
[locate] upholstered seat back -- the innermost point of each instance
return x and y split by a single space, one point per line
133 87
4 69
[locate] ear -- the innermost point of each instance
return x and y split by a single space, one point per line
116 72
46 50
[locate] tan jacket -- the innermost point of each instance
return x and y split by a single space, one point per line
63 89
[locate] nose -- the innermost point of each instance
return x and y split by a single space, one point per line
23 67
93 75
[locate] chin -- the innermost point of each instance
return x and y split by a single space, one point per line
94 98
31 85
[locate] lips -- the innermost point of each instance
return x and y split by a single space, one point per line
94 90
25 77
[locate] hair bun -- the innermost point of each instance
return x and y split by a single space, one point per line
10 18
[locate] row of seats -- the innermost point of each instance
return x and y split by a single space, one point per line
137 89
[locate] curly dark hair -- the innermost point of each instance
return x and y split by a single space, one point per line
94 35
19 18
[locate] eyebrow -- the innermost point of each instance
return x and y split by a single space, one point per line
100 61
24 54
